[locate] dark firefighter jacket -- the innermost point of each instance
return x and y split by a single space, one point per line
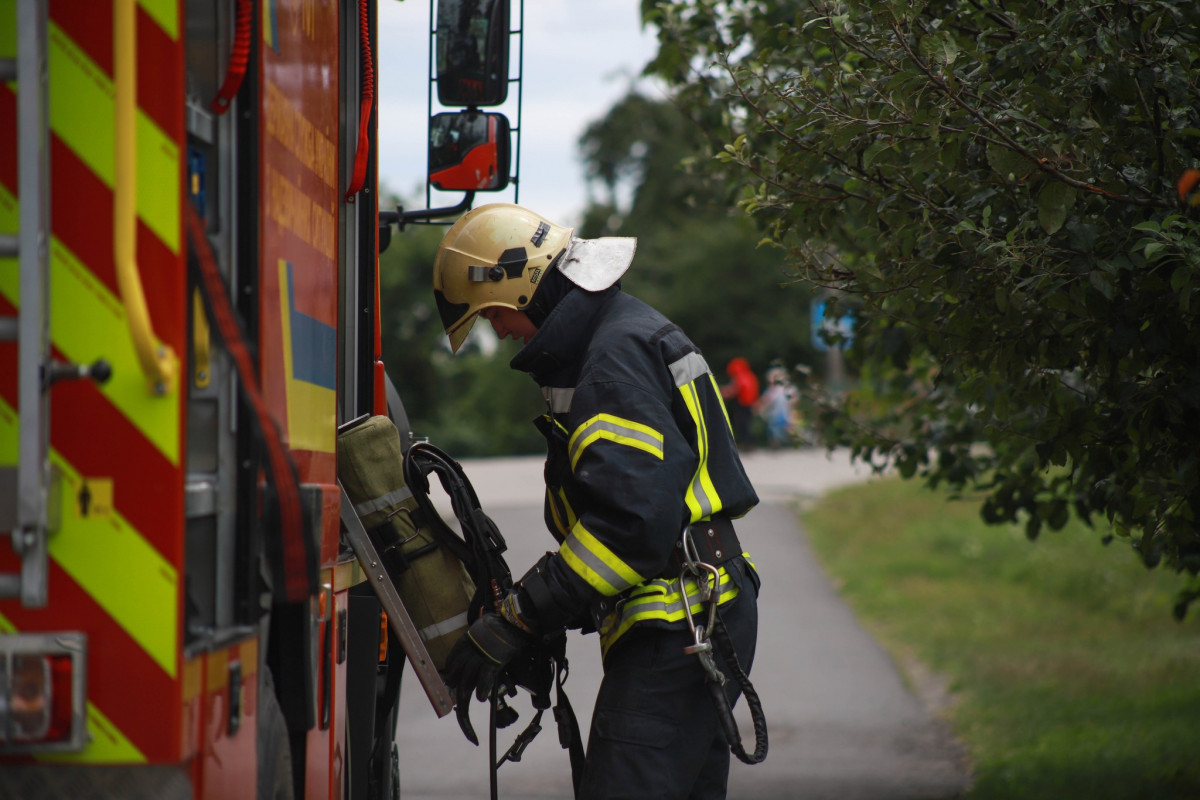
639 446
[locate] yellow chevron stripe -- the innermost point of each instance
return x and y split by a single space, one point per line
107 744
9 444
165 13
101 555
115 565
87 322
8 32
82 114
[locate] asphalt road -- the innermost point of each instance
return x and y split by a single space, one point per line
844 724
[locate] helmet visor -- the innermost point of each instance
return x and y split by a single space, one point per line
457 319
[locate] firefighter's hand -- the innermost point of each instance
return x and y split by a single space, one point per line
477 659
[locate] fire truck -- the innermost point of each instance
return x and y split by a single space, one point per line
189 239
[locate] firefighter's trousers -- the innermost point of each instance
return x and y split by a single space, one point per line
655 734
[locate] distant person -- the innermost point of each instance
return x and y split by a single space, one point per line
740 394
638 452
777 407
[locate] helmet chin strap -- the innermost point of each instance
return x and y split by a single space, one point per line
552 288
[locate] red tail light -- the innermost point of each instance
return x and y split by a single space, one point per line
42 692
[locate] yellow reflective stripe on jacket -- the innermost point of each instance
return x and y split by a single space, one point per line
600 567
701 499
615 429
660 599
564 516
717 391
559 528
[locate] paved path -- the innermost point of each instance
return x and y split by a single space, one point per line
843 725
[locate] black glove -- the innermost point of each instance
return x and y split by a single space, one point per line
477 659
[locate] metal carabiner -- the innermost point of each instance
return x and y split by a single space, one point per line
702 574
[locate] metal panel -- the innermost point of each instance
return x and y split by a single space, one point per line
33 347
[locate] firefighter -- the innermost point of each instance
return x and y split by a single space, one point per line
639 451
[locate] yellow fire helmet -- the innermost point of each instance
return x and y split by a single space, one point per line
494 255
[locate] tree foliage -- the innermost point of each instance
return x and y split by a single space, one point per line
991 187
698 260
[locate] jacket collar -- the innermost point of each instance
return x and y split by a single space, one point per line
559 343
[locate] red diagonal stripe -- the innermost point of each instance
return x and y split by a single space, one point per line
8 135
82 219
89 24
83 222
160 77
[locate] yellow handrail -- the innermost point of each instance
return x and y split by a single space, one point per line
157 360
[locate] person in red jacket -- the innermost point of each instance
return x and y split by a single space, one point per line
740 394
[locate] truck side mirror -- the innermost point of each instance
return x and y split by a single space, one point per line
472 52
469 151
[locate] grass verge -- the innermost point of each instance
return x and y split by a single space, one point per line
1069 675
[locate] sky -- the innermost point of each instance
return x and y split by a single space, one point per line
580 56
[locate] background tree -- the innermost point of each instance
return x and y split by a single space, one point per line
698 259
991 186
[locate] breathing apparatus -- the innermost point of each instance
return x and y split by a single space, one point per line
446 580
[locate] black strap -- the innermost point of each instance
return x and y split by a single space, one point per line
721 700
569 738
568 729
715 541
482 547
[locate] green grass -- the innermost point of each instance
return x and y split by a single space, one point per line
1071 678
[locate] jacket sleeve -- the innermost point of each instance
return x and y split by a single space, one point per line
631 467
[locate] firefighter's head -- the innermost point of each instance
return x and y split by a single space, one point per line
493 257
498 256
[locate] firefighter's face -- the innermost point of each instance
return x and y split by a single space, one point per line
510 322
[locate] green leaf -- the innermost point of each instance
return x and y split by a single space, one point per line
939 48
1102 282
1011 165
1152 248
873 152
1181 277
1053 203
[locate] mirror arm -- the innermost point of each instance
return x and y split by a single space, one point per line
401 217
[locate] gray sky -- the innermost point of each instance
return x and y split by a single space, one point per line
579 57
